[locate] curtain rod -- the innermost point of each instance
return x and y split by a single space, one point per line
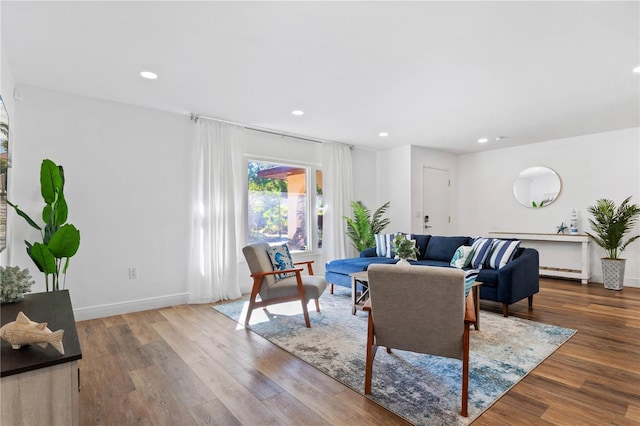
196 117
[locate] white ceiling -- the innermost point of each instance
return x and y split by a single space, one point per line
435 74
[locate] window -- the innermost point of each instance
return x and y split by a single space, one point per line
280 207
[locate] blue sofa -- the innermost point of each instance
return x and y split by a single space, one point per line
511 283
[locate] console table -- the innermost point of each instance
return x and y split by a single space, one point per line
581 274
40 386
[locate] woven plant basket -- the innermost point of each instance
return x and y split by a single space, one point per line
613 273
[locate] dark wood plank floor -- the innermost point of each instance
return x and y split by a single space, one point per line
189 365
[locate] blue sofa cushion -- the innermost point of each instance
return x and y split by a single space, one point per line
488 277
348 266
422 241
370 252
430 263
443 248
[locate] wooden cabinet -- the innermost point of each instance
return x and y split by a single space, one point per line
40 386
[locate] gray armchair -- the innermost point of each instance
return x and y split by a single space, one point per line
419 309
298 287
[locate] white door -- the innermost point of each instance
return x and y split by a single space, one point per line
435 201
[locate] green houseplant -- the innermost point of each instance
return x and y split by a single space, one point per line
609 225
60 240
363 227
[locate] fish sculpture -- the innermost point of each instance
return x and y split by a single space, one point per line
23 331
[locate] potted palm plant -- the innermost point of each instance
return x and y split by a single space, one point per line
609 225
363 227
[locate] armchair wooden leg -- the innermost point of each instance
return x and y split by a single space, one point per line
371 353
252 299
531 302
249 311
465 370
505 309
331 288
305 311
317 305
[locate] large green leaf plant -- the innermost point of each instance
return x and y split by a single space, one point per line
60 240
363 227
611 223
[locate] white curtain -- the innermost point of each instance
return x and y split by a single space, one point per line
337 189
217 224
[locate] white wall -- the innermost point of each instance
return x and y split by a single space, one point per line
393 180
365 177
127 173
603 165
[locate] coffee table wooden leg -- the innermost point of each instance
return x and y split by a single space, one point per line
476 303
353 295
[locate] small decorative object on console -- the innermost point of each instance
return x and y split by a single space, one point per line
573 229
23 331
562 228
14 283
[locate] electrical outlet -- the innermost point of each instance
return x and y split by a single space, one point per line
133 273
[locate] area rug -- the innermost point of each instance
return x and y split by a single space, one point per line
423 389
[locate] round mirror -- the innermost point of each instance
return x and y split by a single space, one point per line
537 187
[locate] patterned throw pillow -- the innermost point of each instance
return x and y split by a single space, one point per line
470 276
502 252
381 245
384 245
281 260
461 257
480 249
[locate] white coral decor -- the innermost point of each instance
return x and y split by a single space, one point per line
14 283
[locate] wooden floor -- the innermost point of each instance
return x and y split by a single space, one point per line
191 365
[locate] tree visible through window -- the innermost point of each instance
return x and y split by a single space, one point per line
279 205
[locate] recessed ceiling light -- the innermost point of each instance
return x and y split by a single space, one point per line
297 112
148 75
637 69
499 138
383 134
483 140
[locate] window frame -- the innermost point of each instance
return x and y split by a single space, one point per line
312 195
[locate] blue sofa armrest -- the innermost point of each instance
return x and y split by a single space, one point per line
519 278
370 252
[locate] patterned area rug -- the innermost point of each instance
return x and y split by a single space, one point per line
420 388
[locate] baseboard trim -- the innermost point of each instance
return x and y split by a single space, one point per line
628 282
100 311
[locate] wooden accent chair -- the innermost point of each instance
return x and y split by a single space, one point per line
298 287
419 309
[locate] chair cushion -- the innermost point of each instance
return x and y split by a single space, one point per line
481 248
502 251
281 260
314 286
